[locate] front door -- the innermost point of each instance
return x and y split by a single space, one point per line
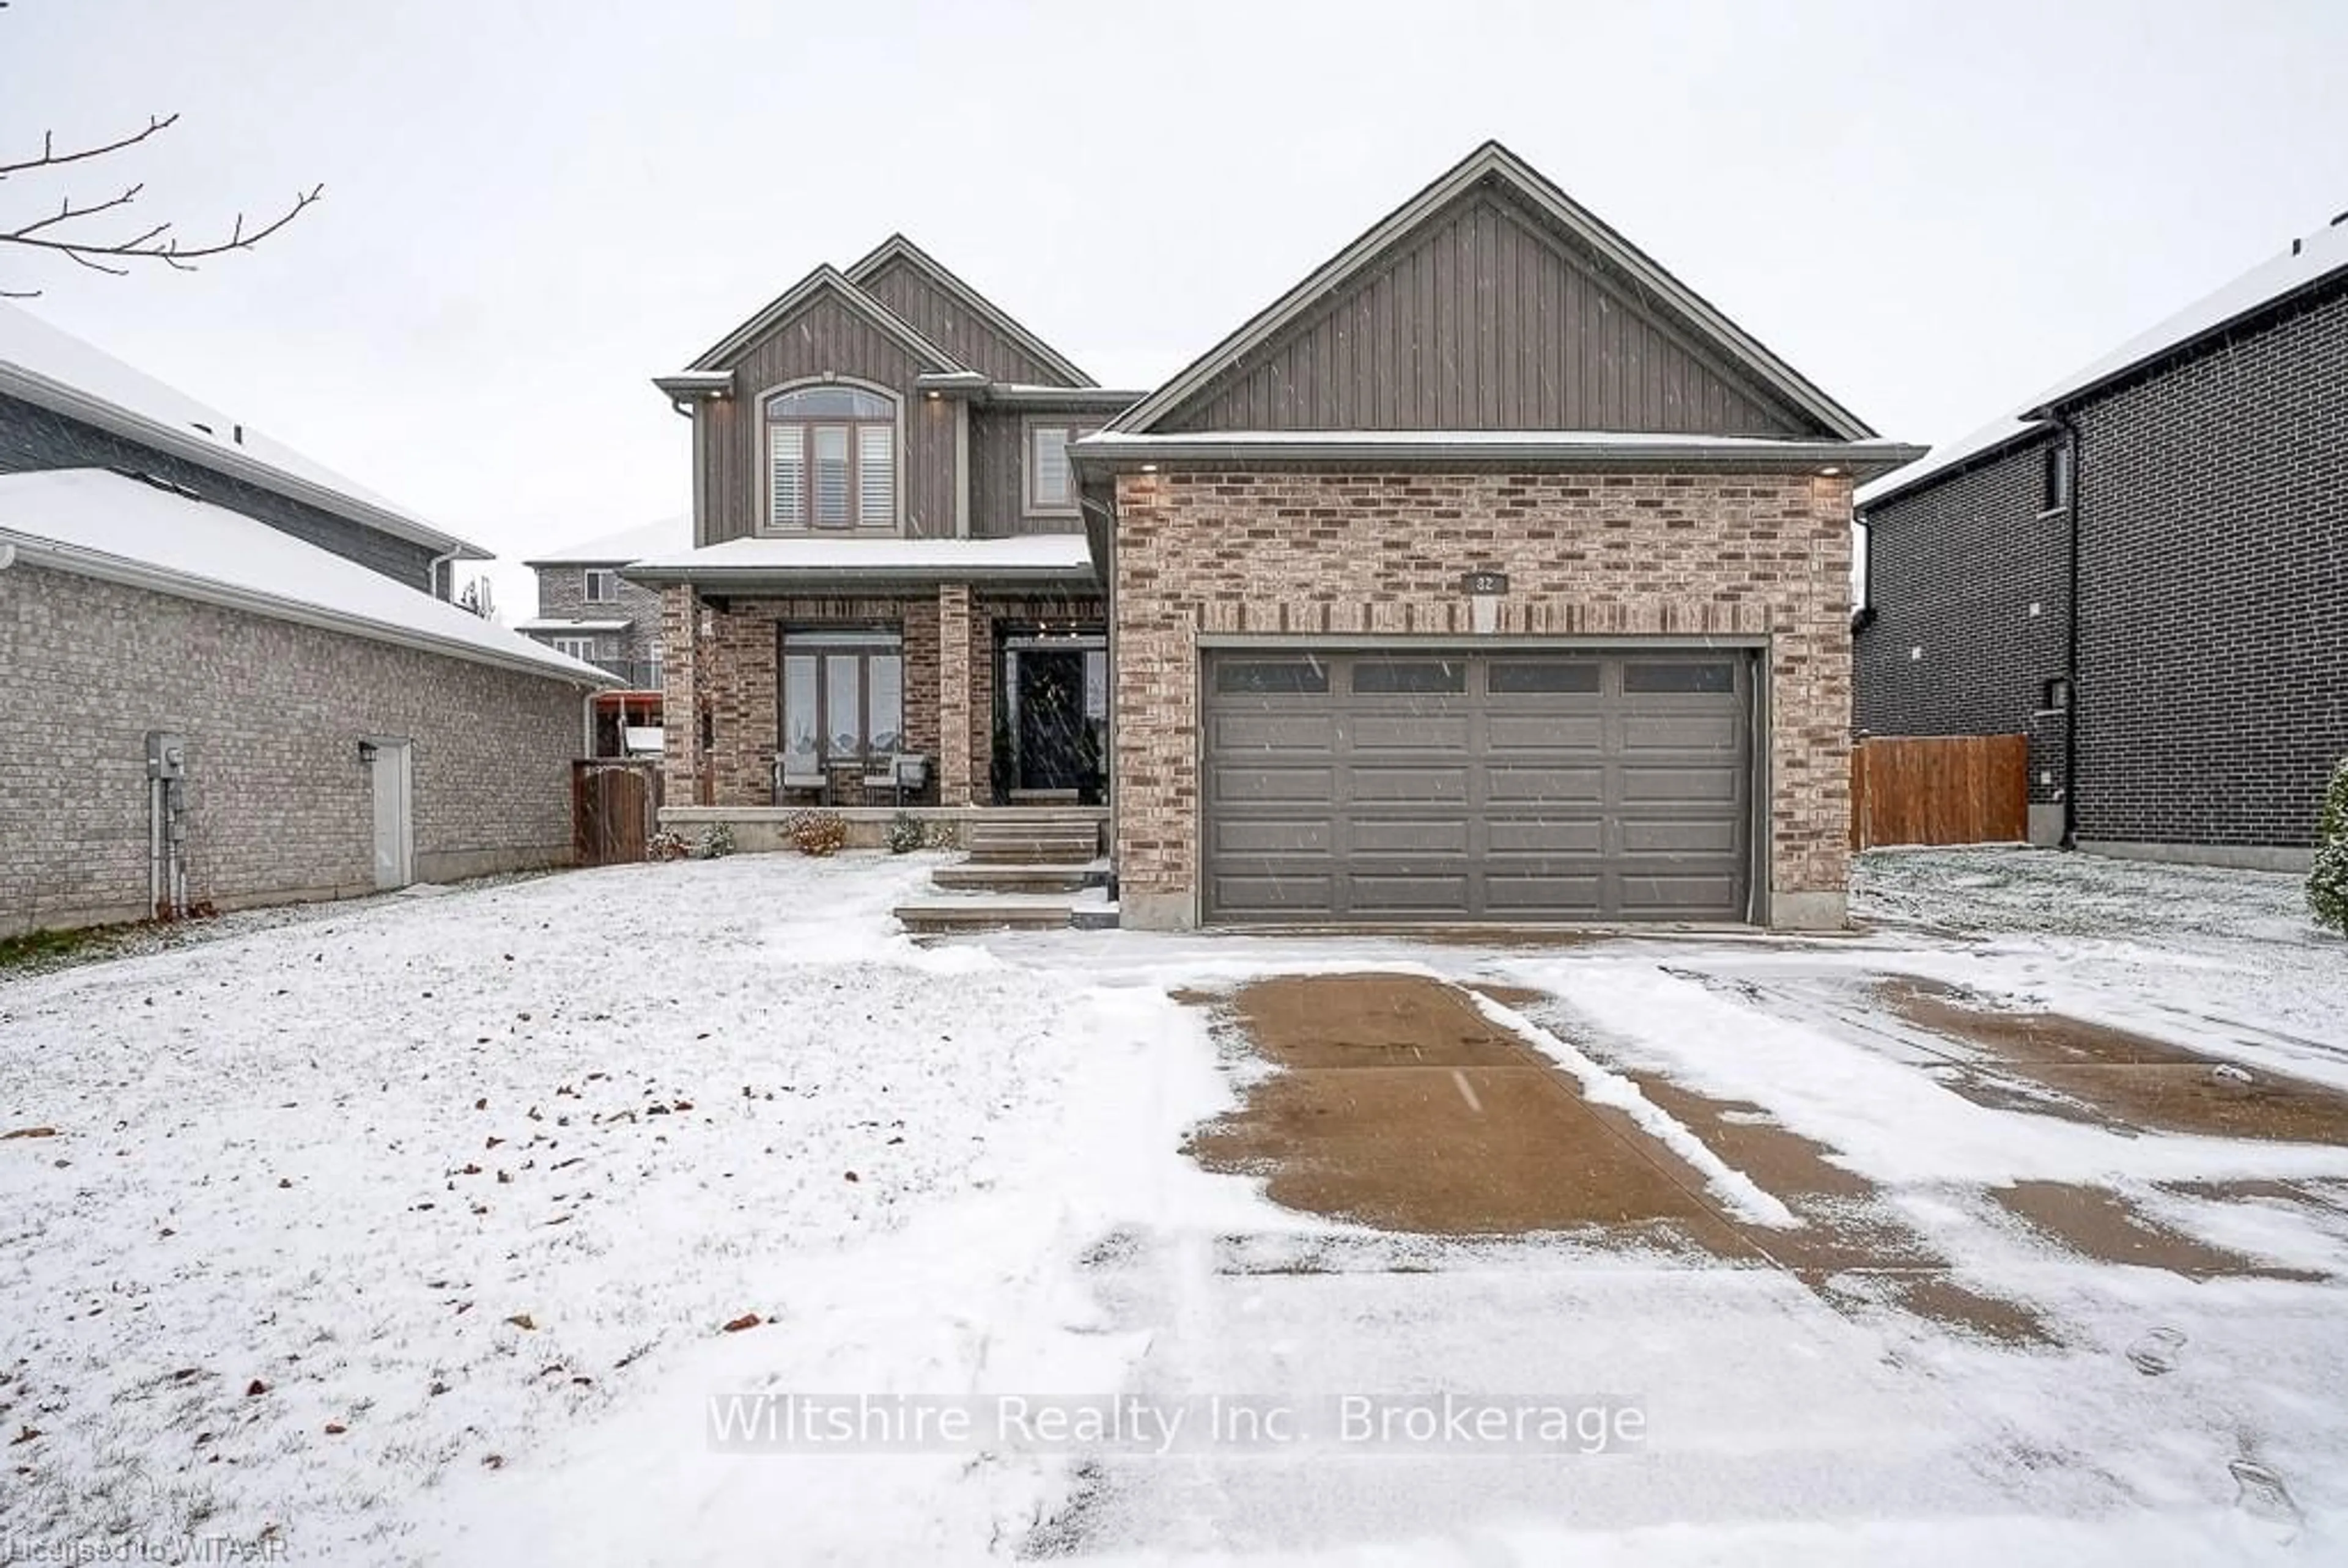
1056 740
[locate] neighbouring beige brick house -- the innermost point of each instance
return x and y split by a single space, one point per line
1488 575
232 678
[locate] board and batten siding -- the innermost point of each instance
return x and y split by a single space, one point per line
823 336
1487 323
946 321
998 462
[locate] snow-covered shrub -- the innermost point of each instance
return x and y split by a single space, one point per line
717 841
905 833
2327 879
2327 884
666 844
818 832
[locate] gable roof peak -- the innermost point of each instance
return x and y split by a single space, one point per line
1494 161
898 246
824 279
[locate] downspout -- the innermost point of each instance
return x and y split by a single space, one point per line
1108 516
2071 641
432 576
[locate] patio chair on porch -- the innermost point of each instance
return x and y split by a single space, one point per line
802 777
897 772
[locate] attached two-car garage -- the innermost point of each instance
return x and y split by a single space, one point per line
1510 785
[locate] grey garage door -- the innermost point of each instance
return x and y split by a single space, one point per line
1504 785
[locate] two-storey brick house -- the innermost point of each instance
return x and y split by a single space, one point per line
587 610
1488 574
2144 571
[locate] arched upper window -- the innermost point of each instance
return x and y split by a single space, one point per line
831 457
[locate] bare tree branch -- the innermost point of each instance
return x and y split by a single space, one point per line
52 159
114 257
157 243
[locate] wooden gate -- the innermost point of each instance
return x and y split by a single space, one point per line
1939 789
613 807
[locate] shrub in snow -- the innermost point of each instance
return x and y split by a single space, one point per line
2327 884
717 840
905 833
818 832
2327 879
668 845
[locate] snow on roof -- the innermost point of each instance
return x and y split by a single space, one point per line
1423 437
1025 555
560 623
2308 262
664 536
53 369
110 525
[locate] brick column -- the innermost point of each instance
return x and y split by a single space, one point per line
679 715
953 694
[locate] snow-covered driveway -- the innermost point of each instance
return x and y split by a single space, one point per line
410 1233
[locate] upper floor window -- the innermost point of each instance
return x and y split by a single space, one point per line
2054 477
602 585
1051 479
831 459
581 648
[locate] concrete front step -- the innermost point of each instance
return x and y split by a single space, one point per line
1036 851
933 916
985 877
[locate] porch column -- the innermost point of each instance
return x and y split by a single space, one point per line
953 694
680 706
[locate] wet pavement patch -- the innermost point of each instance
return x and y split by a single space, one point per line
2054 1065
1402 1107
2101 1224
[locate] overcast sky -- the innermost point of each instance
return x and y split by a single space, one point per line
533 207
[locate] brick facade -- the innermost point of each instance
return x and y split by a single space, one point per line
1969 587
729 672
1589 556
2213 560
280 804
33 438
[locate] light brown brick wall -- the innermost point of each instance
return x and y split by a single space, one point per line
280 804
1588 555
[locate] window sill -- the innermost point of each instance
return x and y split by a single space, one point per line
2062 510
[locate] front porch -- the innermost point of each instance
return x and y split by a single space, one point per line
763 828
944 699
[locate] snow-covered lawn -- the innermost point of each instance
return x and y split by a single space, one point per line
410 1233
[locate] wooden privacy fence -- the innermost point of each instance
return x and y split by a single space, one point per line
613 807
1939 789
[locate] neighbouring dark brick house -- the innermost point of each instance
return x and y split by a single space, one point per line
233 674
2145 571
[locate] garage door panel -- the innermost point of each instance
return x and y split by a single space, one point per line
1716 733
1241 782
1408 732
1271 732
1315 836
1445 836
1522 782
1407 892
1707 836
1547 734
1577 895
1300 896
1712 782
1545 836
1521 785
1694 896
1430 781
